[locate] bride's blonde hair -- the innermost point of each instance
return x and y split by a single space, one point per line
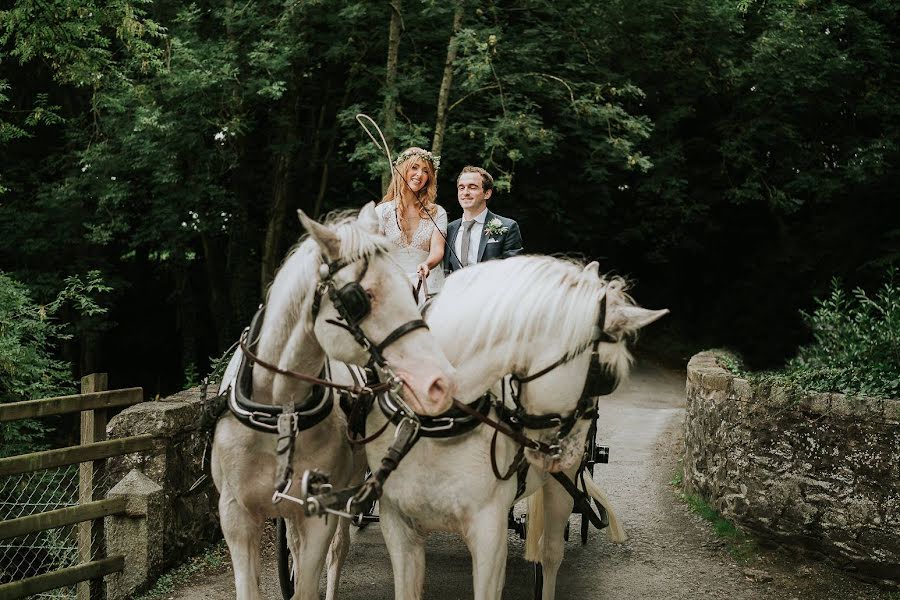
395 189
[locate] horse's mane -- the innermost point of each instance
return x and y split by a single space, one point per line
291 293
522 299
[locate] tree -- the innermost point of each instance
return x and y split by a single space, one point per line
30 334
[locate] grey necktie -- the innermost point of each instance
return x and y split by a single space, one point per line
464 247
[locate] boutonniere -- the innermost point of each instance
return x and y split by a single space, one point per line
495 227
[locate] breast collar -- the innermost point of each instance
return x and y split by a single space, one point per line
264 417
452 423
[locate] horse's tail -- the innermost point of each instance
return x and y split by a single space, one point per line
534 526
615 532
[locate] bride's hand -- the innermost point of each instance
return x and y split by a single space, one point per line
423 270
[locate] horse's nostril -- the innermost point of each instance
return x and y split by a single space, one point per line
439 389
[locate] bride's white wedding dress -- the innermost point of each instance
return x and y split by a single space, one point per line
409 254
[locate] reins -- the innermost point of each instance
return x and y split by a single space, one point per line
351 389
517 436
394 169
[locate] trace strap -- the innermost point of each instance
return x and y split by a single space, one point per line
319 500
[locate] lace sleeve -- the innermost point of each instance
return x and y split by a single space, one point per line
441 219
383 210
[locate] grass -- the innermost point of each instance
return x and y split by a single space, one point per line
213 558
741 547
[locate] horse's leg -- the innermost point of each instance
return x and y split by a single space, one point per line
309 546
486 539
242 531
557 508
337 553
340 545
407 551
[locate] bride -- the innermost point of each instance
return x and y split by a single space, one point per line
409 217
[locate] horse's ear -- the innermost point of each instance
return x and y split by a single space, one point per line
592 268
628 319
368 218
327 239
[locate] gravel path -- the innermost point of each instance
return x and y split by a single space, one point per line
672 554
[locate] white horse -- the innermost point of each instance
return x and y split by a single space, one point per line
292 337
518 316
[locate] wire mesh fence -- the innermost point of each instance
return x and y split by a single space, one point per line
49 550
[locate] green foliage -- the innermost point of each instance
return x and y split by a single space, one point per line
29 335
740 546
168 144
729 362
213 558
856 347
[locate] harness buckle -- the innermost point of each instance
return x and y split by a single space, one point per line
288 424
556 451
254 417
407 422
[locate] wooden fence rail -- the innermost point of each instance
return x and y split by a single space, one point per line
33 409
93 403
73 455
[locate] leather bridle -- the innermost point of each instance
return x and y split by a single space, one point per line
352 304
600 381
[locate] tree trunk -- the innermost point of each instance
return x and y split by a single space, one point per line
440 124
390 80
219 294
323 179
281 191
187 324
277 217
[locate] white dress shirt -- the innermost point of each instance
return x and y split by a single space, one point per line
474 237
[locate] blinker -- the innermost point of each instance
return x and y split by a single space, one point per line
601 381
354 303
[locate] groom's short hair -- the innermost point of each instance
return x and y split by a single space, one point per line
487 182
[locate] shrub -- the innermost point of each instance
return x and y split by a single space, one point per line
856 348
29 336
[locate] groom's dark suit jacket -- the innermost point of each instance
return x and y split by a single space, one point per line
502 245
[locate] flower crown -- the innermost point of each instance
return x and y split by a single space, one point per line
425 154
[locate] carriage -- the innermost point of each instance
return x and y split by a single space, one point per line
594 454
339 298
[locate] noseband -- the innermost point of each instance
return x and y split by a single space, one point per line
600 381
352 304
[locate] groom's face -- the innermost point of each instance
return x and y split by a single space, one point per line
470 192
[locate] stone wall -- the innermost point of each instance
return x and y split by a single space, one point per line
820 472
177 522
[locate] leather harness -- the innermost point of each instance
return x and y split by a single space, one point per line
353 306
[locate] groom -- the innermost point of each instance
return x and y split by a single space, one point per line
480 235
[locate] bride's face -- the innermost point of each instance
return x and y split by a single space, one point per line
417 175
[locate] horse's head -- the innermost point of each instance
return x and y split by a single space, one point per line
361 288
523 314
562 390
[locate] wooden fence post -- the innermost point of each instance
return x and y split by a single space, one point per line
90 533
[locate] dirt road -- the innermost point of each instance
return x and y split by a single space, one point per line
672 553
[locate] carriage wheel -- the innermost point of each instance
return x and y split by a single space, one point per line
284 560
538 581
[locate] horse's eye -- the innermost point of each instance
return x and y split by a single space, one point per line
370 295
